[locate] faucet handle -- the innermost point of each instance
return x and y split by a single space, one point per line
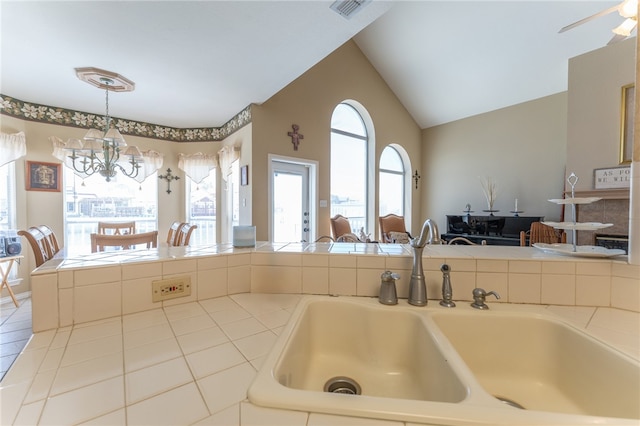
479 296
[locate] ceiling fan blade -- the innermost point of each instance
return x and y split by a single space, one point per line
623 31
589 18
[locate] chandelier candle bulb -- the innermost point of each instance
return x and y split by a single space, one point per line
516 207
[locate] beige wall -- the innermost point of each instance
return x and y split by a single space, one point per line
309 101
593 122
35 208
521 147
530 148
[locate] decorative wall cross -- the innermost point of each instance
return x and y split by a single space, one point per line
168 177
416 177
295 136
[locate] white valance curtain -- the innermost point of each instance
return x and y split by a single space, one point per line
12 147
197 166
227 155
152 160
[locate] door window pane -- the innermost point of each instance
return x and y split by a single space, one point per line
287 207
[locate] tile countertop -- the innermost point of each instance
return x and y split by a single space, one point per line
191 364
164 252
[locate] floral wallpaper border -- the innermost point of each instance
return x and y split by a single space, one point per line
65 117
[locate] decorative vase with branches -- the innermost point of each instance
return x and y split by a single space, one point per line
490 190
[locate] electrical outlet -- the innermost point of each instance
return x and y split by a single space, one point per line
170 288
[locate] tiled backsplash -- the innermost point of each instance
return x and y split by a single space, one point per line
96 286
614 211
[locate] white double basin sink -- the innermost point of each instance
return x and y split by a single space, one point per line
445 366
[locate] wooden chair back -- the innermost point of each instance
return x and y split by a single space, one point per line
184 234
117 228
541 233
174 231
391 223
100 241
43 242
464 241
340 226
50 239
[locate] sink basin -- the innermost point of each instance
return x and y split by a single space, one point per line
387 353
444 366
543 364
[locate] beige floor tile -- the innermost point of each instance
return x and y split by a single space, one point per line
151 381
202 339
162 409
184 310
91 349
227 417
213 360
85 403
191 324
145 319
117 417
94 331
226 388
257 345
218 304
88 372
229 315
316 419
150 354
253 415
144 336
243 328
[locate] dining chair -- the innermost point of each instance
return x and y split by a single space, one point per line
100 241
541 233
174 231
184 234
50 239
393 223
43 242
464 241
340 226
117 228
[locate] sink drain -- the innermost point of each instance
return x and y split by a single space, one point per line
342 384
509 402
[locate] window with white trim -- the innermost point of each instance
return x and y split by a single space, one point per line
201 209
349 166
92 200
391 197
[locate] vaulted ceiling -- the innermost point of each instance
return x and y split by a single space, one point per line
198 63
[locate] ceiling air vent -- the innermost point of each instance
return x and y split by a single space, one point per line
348 8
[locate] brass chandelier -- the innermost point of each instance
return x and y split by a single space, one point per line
104 152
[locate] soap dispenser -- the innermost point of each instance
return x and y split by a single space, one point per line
388 295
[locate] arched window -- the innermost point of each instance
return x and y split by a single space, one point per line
349 166
392 183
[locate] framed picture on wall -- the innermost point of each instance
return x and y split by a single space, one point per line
244 175
626 123
43 176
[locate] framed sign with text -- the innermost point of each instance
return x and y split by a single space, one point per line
612 178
